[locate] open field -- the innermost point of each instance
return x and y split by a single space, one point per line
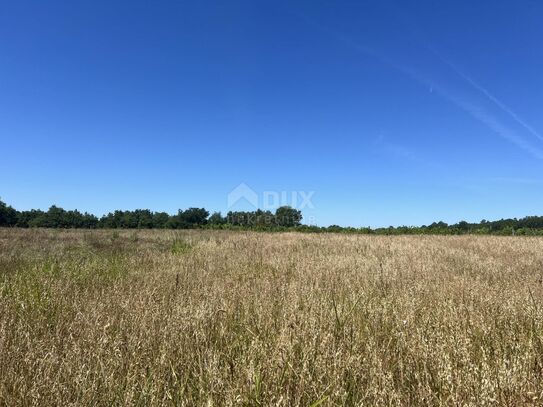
223 318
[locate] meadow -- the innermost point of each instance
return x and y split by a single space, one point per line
201 317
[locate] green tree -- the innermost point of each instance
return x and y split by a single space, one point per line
160 220
8 215
26 219
55 217
193 217
216 219
287 216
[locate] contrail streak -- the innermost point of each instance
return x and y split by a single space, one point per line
491 97
477 112
471 107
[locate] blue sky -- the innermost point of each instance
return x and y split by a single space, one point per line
390 112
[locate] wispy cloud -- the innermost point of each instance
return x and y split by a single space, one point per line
490 97
384 145
394 149
495 124
486 185
473 104
467 94
517 181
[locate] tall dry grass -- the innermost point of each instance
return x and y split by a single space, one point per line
223 318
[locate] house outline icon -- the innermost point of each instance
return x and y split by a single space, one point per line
242 191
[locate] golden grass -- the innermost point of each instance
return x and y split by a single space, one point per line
231 318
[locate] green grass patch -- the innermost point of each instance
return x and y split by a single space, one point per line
181 247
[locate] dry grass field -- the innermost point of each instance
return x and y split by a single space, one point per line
230 318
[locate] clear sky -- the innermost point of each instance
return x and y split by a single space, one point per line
387 112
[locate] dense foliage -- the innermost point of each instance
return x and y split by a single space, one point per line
284 218
189 218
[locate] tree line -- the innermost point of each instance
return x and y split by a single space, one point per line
284 218
56 217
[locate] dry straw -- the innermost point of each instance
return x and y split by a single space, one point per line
223 318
